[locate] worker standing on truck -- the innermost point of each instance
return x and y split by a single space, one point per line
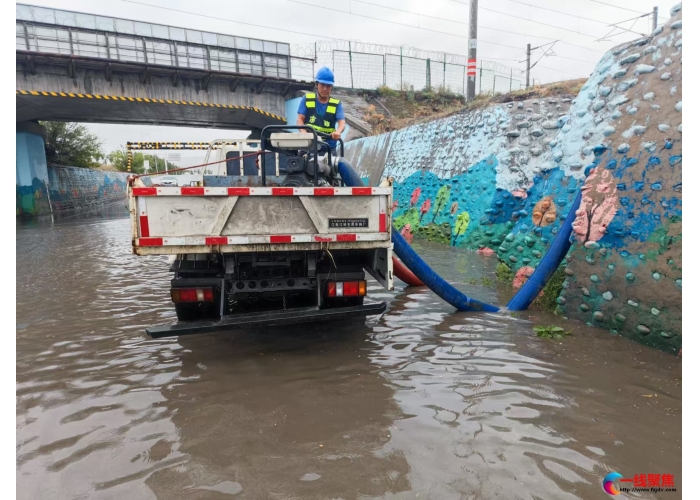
321 111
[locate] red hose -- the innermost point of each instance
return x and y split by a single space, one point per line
405 274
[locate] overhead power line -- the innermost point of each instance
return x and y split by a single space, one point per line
410 12
376 19
559 12
488 27
219 18
560 71
537 22
617 6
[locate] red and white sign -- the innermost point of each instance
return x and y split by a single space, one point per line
268 191
471 67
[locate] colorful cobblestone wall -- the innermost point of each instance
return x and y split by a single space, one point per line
74 188
501 180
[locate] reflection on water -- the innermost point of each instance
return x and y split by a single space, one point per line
422 402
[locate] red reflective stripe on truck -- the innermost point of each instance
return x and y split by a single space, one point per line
218 240
192 191
239 191
382 223
324 191
282 191
281 239
145 191
365 191
150 242
143 225
346 237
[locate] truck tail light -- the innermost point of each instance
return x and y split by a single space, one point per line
192 294
347 288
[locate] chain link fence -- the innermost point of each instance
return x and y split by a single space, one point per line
367 66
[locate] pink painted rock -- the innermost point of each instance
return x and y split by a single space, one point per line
415 195
486 251
522 275
519 193
598 207
406 233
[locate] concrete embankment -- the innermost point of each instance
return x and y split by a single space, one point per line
502 180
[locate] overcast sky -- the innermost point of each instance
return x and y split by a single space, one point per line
505 28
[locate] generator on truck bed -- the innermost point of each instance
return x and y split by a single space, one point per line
286 242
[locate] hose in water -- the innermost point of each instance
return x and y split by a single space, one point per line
522 299
413 261
405 274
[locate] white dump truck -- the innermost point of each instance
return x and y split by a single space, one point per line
271 235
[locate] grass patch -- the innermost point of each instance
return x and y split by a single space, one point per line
548 301
550 332
503 273
484 281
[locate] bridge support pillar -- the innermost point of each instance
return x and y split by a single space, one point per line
32 175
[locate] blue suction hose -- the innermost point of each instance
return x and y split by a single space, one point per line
450 294
413 261
548 265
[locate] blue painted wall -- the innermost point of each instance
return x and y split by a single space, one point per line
31 175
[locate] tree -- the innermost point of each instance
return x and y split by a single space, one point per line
72 144
118 158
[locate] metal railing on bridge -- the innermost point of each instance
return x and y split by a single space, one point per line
45 30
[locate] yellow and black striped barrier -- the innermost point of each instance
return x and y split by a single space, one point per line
178 145
147 100
145 146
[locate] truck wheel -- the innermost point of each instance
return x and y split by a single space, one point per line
193 312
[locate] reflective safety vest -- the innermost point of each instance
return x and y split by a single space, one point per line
325 123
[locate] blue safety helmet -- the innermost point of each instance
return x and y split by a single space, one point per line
325 75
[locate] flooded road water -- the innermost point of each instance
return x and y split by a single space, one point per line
420 403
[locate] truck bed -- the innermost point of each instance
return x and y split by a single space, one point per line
191 220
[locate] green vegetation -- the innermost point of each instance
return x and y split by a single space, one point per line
118 158
443 195
551 332
439 233
461 225
480 101
484 281
72 145
385 91
503 273
548 300
410 216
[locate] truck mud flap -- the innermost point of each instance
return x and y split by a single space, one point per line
267 318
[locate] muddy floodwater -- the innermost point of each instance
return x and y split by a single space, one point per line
422 402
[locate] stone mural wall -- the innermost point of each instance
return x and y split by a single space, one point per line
74 188
502 180
31 175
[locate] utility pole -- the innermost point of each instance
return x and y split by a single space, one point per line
527 73
471 61
654 18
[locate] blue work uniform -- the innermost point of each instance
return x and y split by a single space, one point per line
320 116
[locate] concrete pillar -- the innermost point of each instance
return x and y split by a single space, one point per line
31 172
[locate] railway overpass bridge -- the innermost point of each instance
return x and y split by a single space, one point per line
78 67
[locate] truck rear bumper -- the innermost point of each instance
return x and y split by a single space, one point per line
286 317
